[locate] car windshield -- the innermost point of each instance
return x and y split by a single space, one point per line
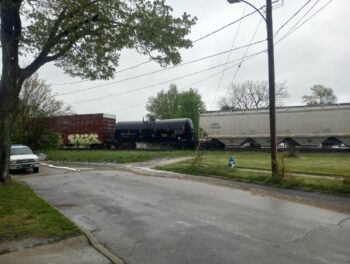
21 150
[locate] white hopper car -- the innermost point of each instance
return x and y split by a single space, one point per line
296 126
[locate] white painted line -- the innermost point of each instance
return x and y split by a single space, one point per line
63 167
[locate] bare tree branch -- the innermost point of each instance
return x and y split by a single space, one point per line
251 95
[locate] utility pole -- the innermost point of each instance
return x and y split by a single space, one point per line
272 100
271 67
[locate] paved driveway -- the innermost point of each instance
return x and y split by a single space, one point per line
151 219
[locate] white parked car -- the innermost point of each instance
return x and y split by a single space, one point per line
22 157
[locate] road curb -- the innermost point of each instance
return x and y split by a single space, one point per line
100 248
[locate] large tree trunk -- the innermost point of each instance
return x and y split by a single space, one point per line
8 105
11 79
5 143
9 89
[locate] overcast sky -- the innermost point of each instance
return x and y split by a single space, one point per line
316 53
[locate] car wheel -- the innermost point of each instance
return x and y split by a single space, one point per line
36 170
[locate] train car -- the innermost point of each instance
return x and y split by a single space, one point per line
99 128
178 133
296 126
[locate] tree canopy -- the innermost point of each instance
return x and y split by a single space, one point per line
174 104
165 105
320 95
251 95
85 37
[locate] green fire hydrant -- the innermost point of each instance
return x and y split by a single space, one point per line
231 162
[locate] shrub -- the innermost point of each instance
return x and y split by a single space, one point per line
50 140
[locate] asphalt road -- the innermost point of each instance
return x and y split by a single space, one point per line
152 219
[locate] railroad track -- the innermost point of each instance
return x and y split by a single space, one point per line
303 150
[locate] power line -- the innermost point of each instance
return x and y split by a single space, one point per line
223 72
228 68
220 72
294 15
149 86
161 70
246 51
156 84
149 61
122 70
124 108
229 24
300 19
292 30
197 82
228 57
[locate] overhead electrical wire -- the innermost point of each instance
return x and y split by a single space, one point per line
292 30
194 83
119 71
234 39
229 55
160 70
220 72
293 16
152 85
300 19
281 27
246 51
149 61
197 154
124 108
229 24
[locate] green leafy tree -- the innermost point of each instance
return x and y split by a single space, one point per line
34 125
190 106
165 105
320 95
84 38
174 104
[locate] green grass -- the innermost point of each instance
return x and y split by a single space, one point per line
112 156
23 214
215 164
335 164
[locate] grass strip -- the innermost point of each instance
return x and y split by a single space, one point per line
330 164
23 214
304 183
113 156
334 164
